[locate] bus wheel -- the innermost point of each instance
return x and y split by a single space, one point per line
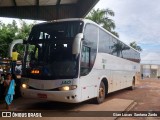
101 95
133 85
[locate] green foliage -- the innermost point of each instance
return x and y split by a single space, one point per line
101 17
7 33
135 46
24 30
10 32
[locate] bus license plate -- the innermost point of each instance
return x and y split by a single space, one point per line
44 96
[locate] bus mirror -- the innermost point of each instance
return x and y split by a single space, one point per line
77 43
13 43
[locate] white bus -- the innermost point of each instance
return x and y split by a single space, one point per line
73 60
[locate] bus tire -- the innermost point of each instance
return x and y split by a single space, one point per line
133 85
101 94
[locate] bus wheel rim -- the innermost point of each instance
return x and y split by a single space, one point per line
101 92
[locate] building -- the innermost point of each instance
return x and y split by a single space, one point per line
150 66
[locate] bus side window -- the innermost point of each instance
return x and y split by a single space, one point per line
85 60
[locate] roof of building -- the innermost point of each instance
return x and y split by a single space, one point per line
45 9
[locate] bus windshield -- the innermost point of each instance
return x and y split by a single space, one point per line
49 51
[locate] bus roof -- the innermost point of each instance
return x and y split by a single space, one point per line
85 22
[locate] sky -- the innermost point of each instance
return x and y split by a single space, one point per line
136 20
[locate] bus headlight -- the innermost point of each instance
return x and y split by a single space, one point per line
66 88
24 86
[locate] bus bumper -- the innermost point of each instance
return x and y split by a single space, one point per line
61 96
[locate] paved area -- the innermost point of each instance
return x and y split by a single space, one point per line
146 96
94 109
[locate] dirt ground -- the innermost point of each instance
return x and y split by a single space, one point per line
147 96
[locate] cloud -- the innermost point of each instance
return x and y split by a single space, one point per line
137 20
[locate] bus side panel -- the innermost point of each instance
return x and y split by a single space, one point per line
119 72
91 82
88 85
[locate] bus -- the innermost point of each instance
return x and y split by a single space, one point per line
74 60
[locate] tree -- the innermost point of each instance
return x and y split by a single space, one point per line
24 30
135 46
118 48
23 33
7 33
10 32
101 17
